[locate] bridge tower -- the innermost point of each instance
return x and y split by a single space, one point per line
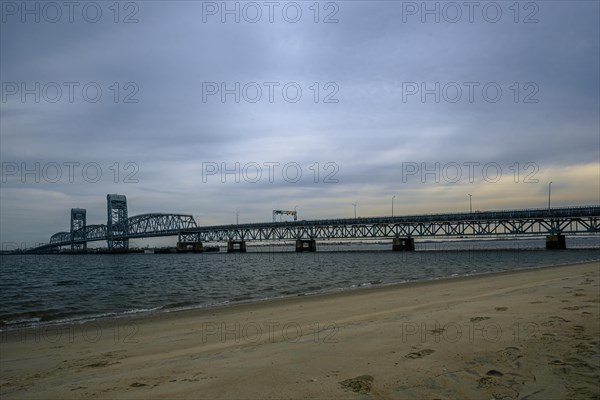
78 221
116 225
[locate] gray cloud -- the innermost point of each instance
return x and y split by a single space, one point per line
368 58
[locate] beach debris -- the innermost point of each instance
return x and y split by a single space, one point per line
138 384
360 384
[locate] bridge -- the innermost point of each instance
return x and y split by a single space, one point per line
554 223
118 229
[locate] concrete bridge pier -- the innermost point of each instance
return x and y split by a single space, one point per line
306 245
236 246
194 247
556 242
403 244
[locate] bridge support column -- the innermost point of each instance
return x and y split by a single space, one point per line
403 244
236 246
195 247
198 247
556 242
306 245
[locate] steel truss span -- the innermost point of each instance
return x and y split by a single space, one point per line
570 220
139 226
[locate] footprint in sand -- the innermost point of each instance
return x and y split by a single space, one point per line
486 382
554 321
501 308
548 336
360 384
495 388
510 354
585 349
477 319
575 308
420 353
98 364
572 361
579 335
557 362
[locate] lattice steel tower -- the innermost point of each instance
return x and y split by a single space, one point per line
116 225
78 222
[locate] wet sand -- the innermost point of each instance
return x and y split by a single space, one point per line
532 334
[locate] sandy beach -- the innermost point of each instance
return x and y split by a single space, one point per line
531 334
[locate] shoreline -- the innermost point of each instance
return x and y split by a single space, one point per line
157 311
512 334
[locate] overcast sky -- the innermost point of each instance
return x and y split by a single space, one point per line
183 109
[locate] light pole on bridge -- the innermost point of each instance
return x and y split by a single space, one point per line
237 217
393 197
354 204
549 189
470 203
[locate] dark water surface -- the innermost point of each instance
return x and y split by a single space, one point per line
60 288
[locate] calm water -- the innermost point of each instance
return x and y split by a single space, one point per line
58 288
